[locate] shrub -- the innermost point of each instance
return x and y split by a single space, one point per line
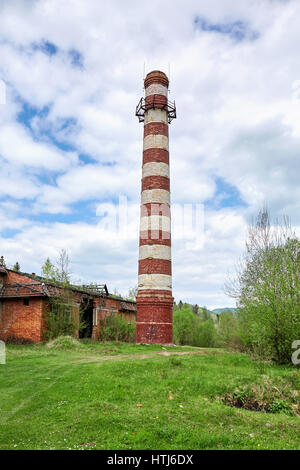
60 319
267 395
116 328
281 406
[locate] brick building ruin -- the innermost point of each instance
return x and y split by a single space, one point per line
25 300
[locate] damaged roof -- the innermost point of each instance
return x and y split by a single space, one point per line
3 270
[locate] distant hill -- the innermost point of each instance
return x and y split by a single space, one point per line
217 311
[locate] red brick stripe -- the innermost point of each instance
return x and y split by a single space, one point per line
155 237
156 128
155 266
155 155
159 295
145 294
155 209
155 101
155 182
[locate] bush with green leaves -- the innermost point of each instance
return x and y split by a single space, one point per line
60 318
116 328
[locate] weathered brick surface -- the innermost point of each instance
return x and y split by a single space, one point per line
156 76
155 155
154 266
155 182
155 209
13 277
22 321
155 310
156 128
154 304
159 333
109 303
110 307
156 101
159 294
29 322
155 237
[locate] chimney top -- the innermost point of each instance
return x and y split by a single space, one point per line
156 76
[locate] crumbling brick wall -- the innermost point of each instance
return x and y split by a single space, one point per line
105 307
22 321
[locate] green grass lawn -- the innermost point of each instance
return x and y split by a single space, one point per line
87 397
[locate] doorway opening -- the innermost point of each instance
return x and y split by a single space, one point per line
86 318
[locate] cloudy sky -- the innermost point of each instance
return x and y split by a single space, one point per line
71 146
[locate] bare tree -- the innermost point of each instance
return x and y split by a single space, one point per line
63 272
132 293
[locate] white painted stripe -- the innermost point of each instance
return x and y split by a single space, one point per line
155 195
156 141
156 89
156 169
155 222
156 115
155 252
155 281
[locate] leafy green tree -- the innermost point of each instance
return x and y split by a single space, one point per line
49 270
206 337
204 314
267 288
60 272
195 309
184 326
228 329
17 267
190 330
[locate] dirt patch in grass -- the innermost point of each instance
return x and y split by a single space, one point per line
139 356
268 395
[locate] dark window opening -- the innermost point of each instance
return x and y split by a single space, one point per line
26 302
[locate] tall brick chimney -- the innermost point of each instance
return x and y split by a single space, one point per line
154 300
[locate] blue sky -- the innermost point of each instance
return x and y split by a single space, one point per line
70 144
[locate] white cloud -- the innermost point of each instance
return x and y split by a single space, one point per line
18 148
238 120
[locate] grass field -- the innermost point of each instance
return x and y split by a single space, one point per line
87 397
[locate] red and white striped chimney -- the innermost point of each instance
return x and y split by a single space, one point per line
154 300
